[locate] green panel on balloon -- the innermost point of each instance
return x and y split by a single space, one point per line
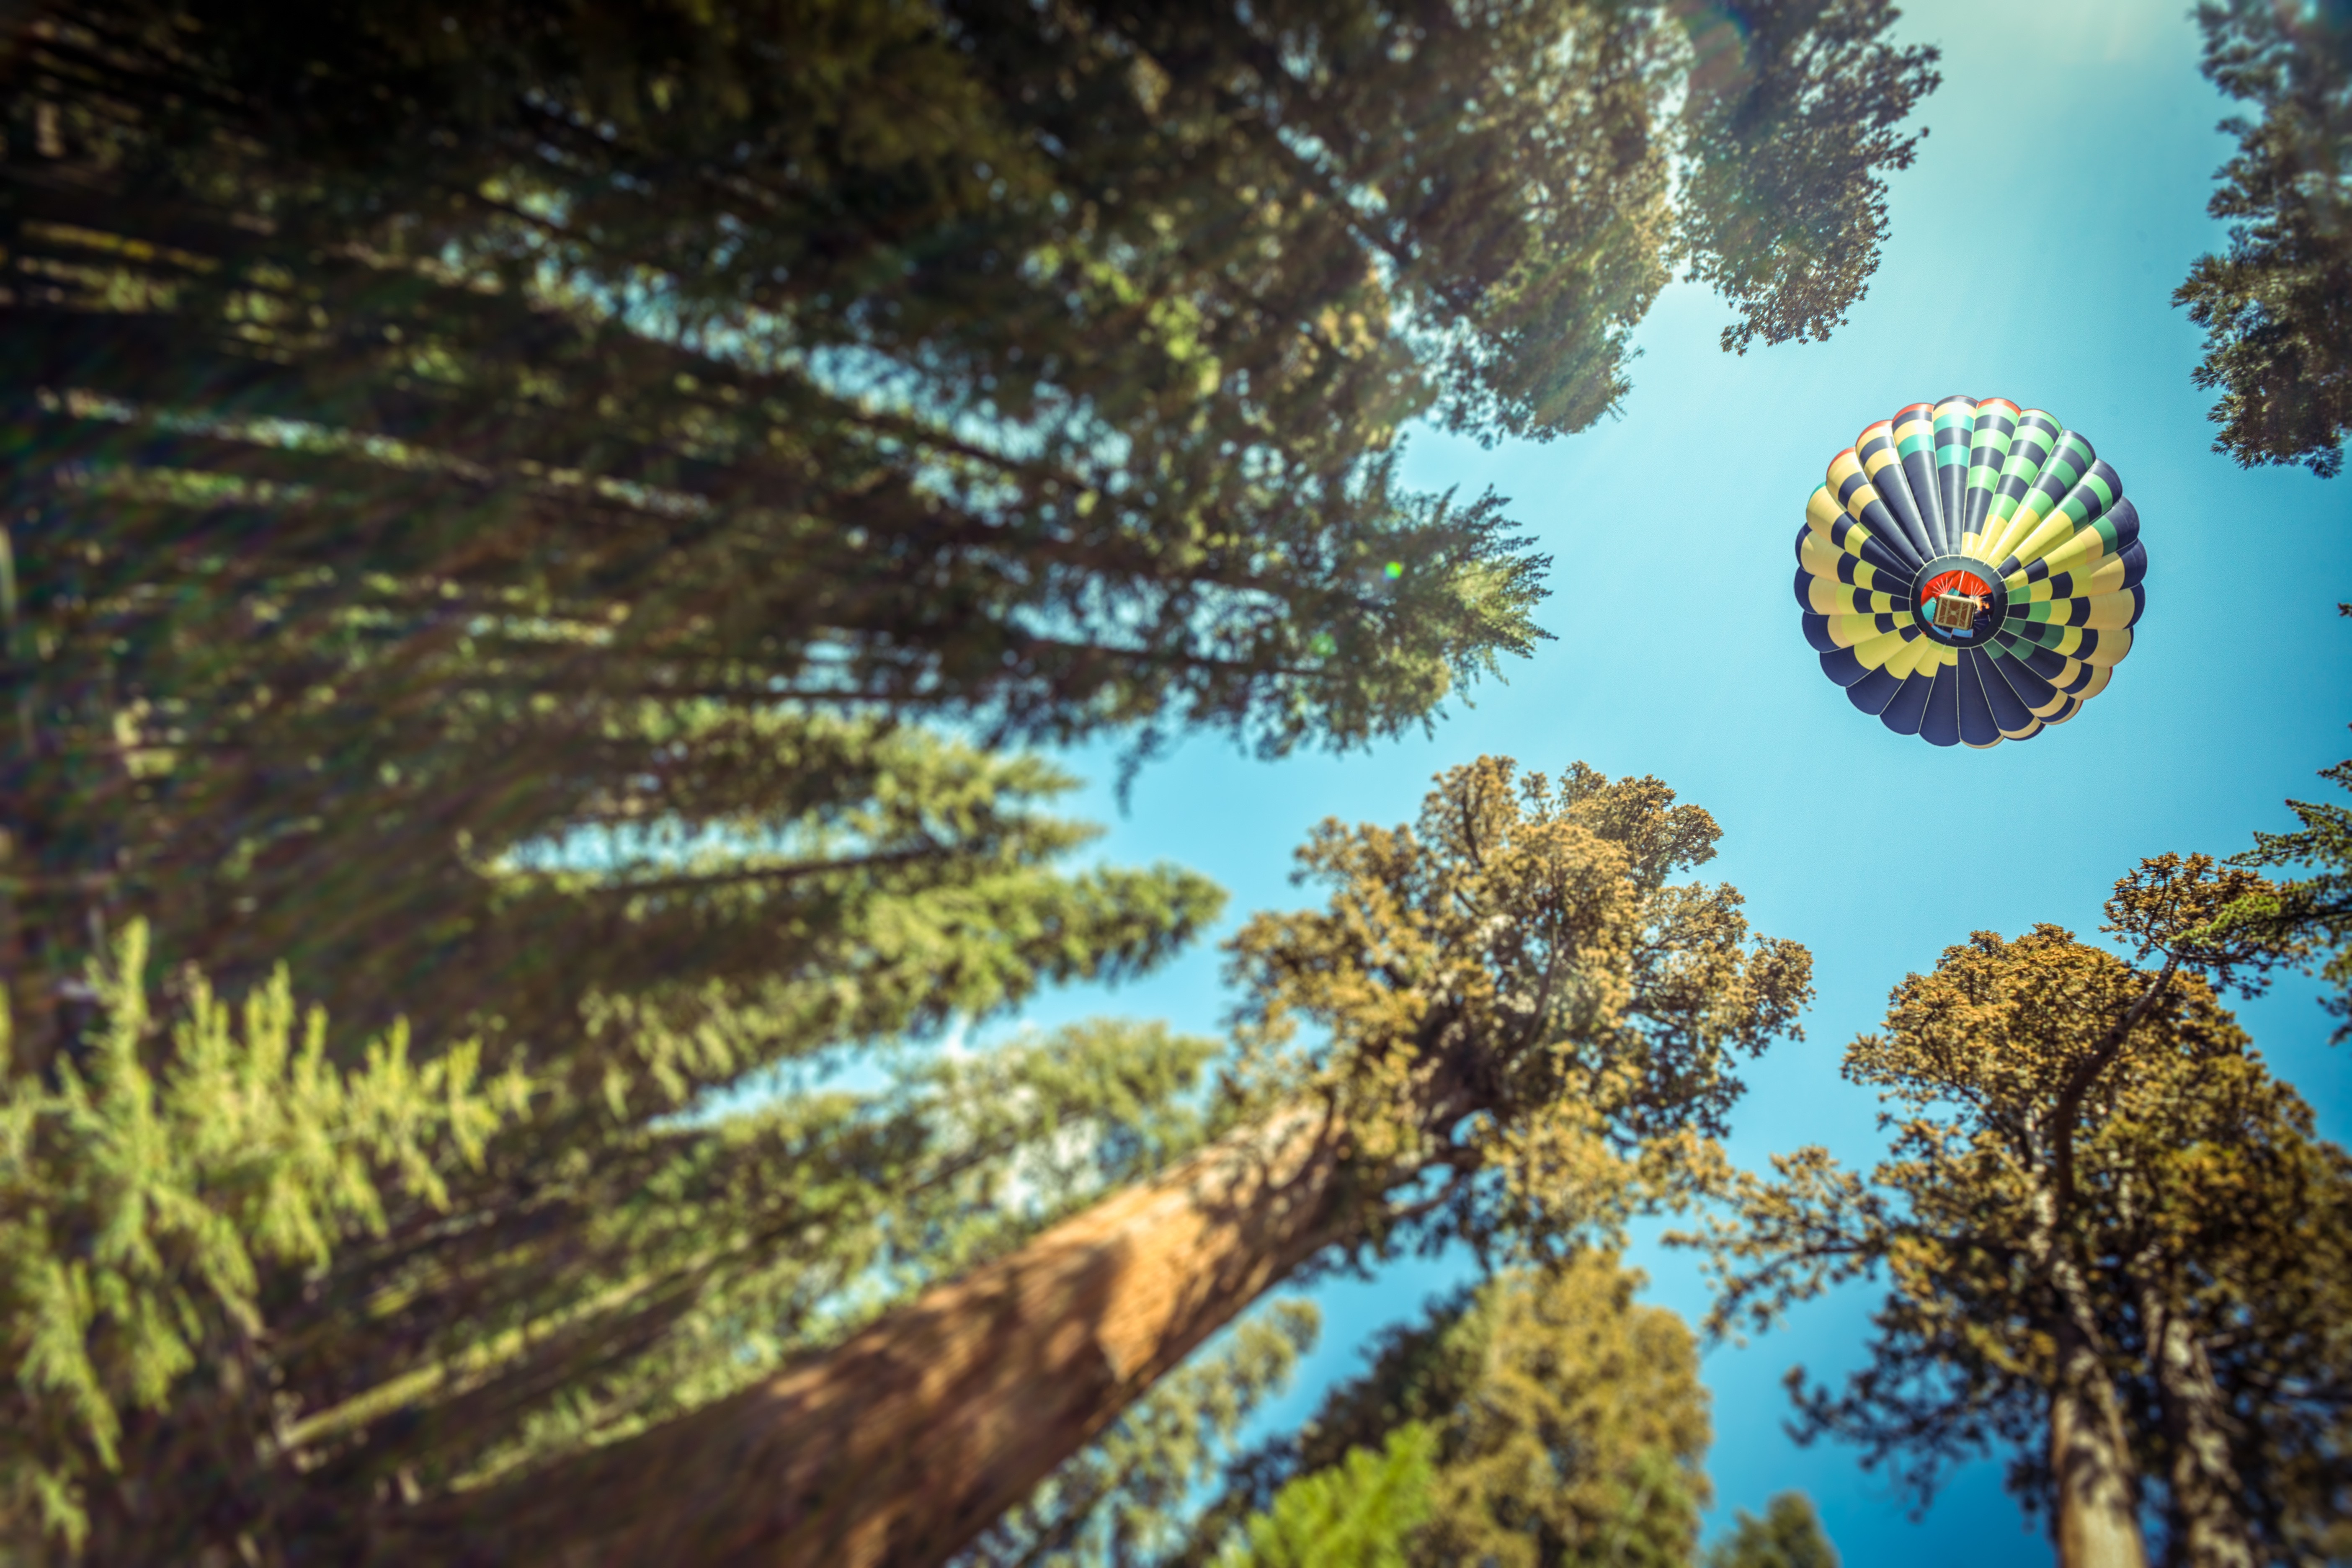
1979 569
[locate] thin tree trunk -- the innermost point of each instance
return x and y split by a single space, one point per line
2210 1528
900 1447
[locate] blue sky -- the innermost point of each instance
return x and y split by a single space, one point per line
2059 199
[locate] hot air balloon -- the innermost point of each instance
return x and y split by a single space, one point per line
1971 574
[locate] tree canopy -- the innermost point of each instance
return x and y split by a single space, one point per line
545 522
2113 1243
1567 1425
2276 306
1509 1025
452 435
1789 1535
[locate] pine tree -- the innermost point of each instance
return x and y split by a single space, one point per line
2113 1244
1357 1514
543 523
1569 1427
450 435
2310 916
1789 1535
149 1217
2277 306
1509 1026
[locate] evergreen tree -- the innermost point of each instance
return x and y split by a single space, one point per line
2277 306
1789 1535
1357 1514
451 433
2112 1241
2310 915
1509 1026
154 1205
1571 1426
1120 1501
511 505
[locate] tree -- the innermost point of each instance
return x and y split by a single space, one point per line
1789 1535
248 1156
2299 919
1357 1514
452 433
2278 328
1569 1425
1522 1032
2112 1241
1119 1501
514 507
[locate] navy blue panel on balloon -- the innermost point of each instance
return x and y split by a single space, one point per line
2124 518
1817 632
1919 470
1941 724
2008 712
1841 666
1909 707
2046 662
1886 561
1804 595
2134 559
2031 690
1977 725
1873 691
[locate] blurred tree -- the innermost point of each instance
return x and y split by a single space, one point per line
1789 1535
484 469
1571 1426
2303 918
1518 1032
1357 1514
151 1206
1121 1500
2277 306
495 489
2113 1242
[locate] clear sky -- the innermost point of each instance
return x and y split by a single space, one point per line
2058 201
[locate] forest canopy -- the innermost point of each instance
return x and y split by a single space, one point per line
552 524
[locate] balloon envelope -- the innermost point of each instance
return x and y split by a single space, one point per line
1969 572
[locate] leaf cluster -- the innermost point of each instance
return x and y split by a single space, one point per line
1510 1002
2278 331
2178 1181
1567 1425
159 1198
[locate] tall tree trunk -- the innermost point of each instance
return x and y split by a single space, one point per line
2209 1525
901 1446
2091 1465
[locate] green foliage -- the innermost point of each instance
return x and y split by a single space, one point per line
1508 1002
511 509
2278 327
448 435
1795 107
1119 1502
1789 1535
1570 1424
2091 1169
1357 1514
156 1198
2311 914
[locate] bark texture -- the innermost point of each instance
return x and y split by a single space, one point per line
895 1451
2091 1468
2212 1531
